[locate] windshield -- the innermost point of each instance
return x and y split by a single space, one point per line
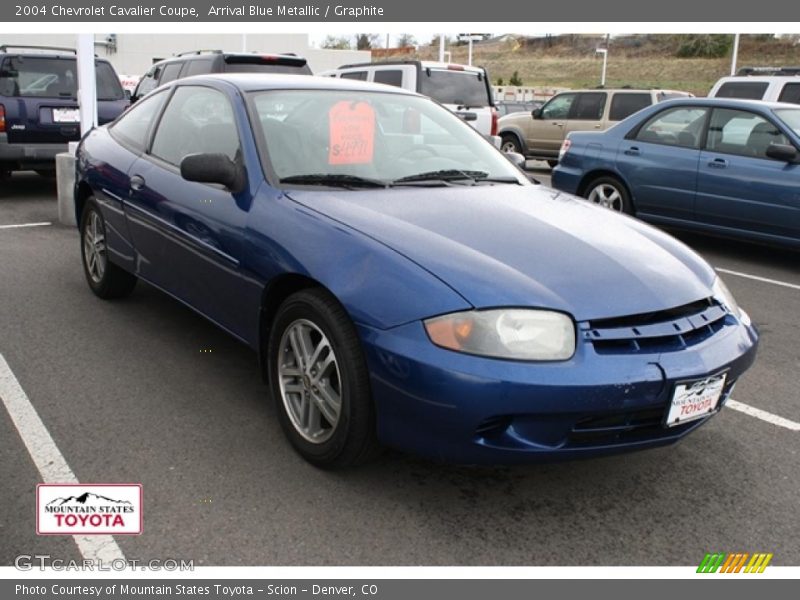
38 77
790 116
463 88
379 138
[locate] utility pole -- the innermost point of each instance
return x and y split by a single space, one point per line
735 53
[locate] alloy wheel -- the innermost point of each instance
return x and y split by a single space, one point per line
94 247
607 196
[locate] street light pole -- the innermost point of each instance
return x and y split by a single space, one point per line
604 52
735 53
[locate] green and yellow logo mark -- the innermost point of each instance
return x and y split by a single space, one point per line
735 562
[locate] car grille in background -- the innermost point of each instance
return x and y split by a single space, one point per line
662 331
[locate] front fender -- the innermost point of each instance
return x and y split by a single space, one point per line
376 285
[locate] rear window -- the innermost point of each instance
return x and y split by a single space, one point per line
624 105
464 88
748 90
790 93
41 77
266 68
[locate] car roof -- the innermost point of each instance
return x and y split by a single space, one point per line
425 64
251 82
729 103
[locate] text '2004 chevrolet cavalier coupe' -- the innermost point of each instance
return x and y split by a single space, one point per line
403 283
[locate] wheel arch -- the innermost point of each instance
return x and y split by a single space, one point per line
82 193
518 135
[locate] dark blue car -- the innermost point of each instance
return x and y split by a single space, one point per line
402 282
726 167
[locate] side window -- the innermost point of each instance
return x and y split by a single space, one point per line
198 67
171 72
624 105
743 133
148 82
196 120
558 107
675 127
359 75
389 77
588 106
134 125
790 93
748 90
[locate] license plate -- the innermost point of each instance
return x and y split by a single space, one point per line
695 399
66 115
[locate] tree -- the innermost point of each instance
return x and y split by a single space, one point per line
500 81
367 41
435 41
515 79
406 39
336 43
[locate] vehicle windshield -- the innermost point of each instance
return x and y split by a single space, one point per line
351 138
463 88
41 77
790 116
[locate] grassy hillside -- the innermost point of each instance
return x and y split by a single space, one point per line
646 61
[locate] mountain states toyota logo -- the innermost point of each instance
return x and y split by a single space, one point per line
78 509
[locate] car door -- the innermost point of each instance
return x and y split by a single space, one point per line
545 133
189 236
659 158
587 112
738 185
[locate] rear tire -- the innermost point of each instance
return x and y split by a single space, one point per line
319 381
510 143
609 192
105 279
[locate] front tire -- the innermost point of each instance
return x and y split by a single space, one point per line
105 279
609 192
320 383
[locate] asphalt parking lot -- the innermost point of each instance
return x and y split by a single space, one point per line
129 393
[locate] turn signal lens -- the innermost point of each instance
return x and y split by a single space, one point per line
2 118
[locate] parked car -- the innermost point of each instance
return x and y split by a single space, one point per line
465 90
507 107
539 134
203 62
779 84
39 106
722 166
401 280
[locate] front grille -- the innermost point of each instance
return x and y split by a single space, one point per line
661 331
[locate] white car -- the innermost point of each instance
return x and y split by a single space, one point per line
754 83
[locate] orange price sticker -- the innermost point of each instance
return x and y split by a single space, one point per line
352 133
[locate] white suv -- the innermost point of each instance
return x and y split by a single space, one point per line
463 89
754 83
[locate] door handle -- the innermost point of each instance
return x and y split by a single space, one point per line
718 163
632 151
137 182
558 124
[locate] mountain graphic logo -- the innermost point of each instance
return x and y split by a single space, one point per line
86 499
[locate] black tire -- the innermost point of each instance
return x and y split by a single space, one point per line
552 163
5 173
46 173
114 282
353 439
624 204
510 143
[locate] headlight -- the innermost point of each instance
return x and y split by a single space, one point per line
518 334
723 295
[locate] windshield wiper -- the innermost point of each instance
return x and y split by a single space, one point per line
334 180
443 175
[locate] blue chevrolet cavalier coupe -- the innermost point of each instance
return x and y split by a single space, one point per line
403 283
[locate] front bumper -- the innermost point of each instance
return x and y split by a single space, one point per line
469 410
21 156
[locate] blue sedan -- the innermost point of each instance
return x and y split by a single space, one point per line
402 282
726 167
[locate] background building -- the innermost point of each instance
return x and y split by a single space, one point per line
133 53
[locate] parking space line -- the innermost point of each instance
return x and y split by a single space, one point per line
793 286
21 225
48 459
763 415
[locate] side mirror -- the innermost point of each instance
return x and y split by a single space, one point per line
213 168
517 159
536 113
127 94
782 152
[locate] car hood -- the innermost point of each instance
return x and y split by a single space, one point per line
507 245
